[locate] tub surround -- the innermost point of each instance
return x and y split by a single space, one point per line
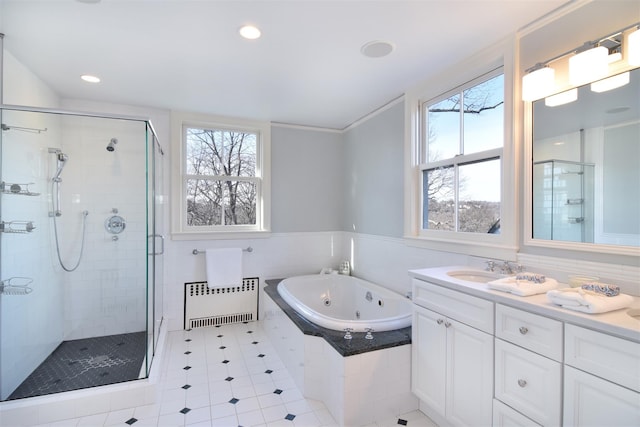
345 348
373 383
618 322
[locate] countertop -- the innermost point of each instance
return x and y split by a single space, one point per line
351 347
617 322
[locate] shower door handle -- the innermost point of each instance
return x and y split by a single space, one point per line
154 236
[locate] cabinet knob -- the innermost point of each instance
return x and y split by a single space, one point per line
439 321
447 324
523 330
522 383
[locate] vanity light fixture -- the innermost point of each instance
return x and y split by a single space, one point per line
539 83
588 65
250 32
90 79
561 98
633 48
610 83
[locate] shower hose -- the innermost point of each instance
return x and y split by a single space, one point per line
55 233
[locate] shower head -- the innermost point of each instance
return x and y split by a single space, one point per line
62 160
112 145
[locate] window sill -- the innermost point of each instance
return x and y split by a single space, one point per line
467 247
220 235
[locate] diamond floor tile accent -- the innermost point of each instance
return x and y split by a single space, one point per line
204 398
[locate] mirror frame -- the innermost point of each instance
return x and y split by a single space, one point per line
527 237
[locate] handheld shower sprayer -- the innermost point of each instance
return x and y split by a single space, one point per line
62 160
112 145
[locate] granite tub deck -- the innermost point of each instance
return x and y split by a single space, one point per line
360 381
357 345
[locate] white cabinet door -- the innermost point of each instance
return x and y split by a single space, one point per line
469 375
428 337
592 401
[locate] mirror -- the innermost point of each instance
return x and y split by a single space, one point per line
586 167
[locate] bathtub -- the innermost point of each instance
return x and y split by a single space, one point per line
338 302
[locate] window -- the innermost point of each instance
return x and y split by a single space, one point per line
223 179
461 149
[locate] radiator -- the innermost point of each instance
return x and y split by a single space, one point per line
220 306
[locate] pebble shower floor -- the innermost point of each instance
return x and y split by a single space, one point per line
227 376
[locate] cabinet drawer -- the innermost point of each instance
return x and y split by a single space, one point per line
614 359
472 311
528 382
504 416
528 330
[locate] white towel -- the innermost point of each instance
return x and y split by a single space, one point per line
588 302
523 288
224 267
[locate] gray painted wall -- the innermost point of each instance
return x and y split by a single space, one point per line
307 176
373 154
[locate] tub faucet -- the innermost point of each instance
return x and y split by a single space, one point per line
369 336
347 335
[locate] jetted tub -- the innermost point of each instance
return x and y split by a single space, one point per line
337 302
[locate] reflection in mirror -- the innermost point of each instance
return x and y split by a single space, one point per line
586 166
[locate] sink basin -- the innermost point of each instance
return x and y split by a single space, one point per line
635 313
477 276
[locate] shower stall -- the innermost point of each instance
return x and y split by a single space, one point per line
81 225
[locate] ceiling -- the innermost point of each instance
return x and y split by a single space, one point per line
306 69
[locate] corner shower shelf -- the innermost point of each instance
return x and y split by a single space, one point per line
21 189
20 227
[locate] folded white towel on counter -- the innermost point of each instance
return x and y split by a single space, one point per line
590 302
523 288
224 267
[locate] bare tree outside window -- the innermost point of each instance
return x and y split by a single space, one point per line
464 195
220 177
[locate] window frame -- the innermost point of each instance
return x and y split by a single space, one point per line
484 65
459 159
180 230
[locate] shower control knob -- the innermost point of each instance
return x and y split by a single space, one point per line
115 224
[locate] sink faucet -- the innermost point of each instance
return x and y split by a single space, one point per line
508 268
491 265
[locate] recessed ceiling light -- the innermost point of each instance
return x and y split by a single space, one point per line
90 78
250 32
377 49
88 1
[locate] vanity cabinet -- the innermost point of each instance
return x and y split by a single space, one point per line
452 361
601 379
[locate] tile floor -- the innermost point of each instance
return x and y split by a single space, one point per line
227 376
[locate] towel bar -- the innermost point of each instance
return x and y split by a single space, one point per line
197 252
